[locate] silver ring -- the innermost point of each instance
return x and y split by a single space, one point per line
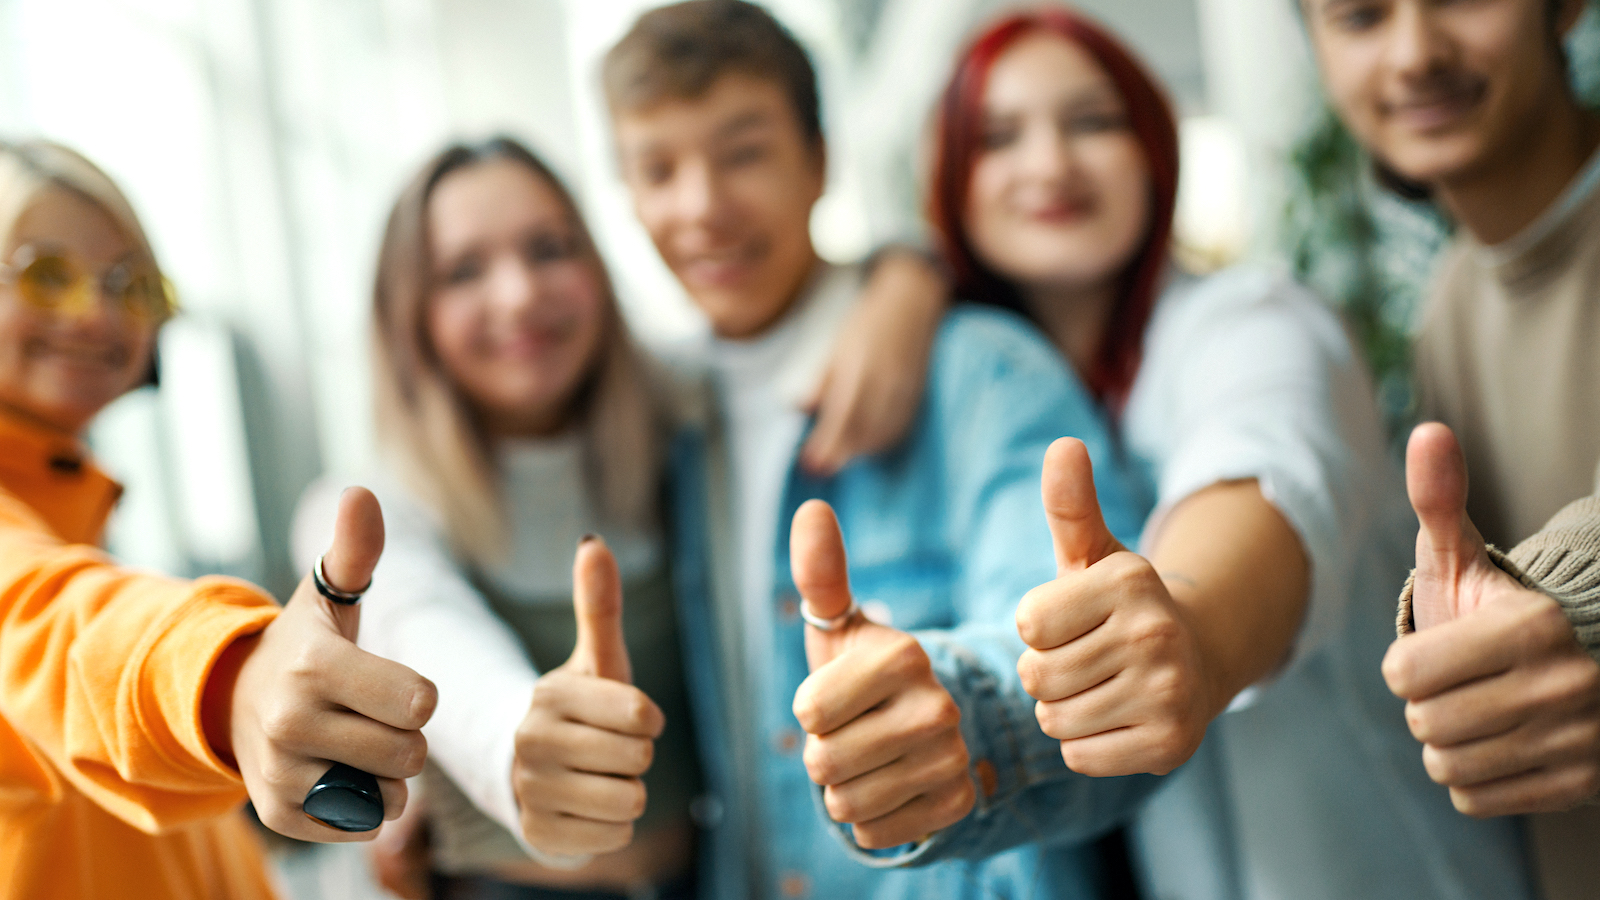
319 577
833 624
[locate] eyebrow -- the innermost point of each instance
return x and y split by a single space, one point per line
1093 96
746 121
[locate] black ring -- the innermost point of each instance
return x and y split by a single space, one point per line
345 798
343 598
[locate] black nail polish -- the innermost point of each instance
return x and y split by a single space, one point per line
587 538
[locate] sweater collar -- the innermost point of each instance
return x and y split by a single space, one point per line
52 473
1545 247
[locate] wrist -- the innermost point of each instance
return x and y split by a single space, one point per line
217 701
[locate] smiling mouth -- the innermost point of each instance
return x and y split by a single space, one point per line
112 359
719 269
1438 110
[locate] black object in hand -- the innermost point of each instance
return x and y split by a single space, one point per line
345 798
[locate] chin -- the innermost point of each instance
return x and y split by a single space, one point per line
1434 161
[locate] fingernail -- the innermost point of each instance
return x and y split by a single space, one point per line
587 538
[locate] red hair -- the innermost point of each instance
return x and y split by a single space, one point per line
960 141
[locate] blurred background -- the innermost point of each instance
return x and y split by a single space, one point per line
262 142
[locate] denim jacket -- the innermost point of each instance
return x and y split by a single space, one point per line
945 534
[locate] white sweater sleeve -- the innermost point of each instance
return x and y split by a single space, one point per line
421 611
1248 376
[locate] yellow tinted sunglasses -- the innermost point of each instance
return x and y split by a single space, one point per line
56 283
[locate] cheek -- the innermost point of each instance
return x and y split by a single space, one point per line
1352 76
1123 181
454 331
985 215
579 290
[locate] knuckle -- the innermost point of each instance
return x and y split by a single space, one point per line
841 806
1077 759
808 710
1156 631
281 722
277 817
907 656
959 801
942 715
412 755
279 771
1169 686
1469 803
635 799
424 700
1032 670
1421 721
1050 720
1400 669
644 756
1033 616
819 762
1442 766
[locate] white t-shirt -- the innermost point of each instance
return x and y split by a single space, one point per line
763 383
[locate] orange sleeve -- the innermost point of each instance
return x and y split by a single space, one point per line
102 669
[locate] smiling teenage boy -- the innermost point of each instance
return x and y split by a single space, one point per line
911 719
1473 102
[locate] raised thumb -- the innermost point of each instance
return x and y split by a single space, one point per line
357 545
1072 508
597 605
1448 542
821 573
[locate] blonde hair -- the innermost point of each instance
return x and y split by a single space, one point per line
429 430
29 168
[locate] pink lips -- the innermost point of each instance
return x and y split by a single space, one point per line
1064 213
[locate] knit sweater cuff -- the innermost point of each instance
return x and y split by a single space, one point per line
1562 561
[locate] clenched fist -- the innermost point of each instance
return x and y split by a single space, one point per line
301 695
883 736
1113 660
1500 693
589 735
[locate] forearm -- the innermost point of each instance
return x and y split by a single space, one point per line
1237 569
103 670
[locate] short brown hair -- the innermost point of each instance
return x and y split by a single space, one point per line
678 52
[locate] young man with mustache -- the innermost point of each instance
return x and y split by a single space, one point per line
1472 101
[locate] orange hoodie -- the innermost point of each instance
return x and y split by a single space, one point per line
108 787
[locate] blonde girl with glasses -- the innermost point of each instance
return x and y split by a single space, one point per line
138 712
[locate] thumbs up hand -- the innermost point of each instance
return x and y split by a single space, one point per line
301 695
589 734
1503 698
1113 662
883 736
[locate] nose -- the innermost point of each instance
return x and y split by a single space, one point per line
1417 45
513 285
699 196
85 301
1047 153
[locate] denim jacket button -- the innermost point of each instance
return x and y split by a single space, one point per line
794 884
988 778
789 609
786 741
